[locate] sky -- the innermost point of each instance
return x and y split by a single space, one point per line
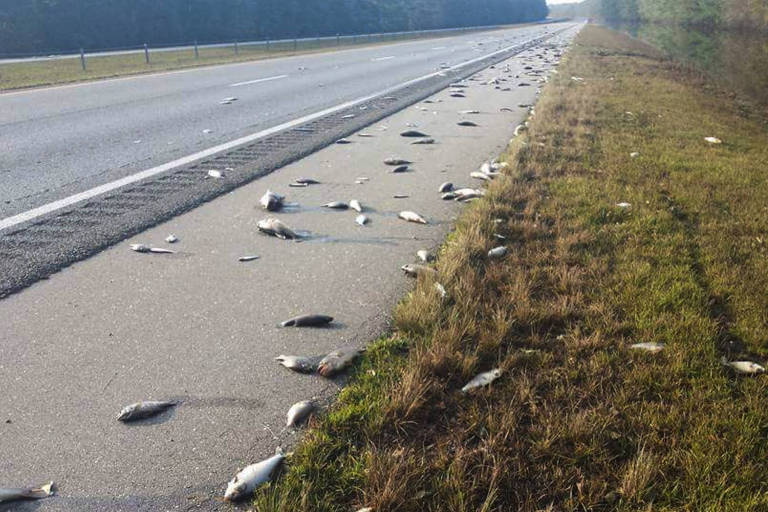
551 2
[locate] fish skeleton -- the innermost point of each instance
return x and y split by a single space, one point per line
308 321
26 493
337 360
299 412
252 477
274 227
412 217
482 379
144 409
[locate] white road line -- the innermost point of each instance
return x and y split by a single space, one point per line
383 58
259 80
15 220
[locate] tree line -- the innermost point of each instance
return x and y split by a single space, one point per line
33 26
708 13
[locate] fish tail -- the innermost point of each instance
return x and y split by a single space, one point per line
42 492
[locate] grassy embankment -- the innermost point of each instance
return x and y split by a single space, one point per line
52 72
578 421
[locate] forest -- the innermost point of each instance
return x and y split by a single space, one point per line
711 13
48 26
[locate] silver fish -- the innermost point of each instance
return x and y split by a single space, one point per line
401 168
171 239
441 290
252 477
26 493
338 360
300 364
271 201
445 187
246 259
482 379
648 347
415 270
424 255
362 220
355 205
213 173
480 176
497 252
743 367
274 227
299 412
311 320
343 141
428 140
448 196
396 161
145 249
413 134
336 205
412 217
457 95
469 112
467 123
306 181
144 409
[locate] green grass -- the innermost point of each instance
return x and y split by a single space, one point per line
578 421
51 72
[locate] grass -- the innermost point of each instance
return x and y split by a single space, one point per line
60 71
578 421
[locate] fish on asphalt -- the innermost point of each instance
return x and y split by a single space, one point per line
338 360
458 95
301 364
469 112
445 187
274 227
252 477
355 205
401 168
466 123
145 249
311 320
336 205
497 252
26 493
299 412
171 239
246 259
412 217
743 367
271 201
362 220
416 270
343 141
413 134
396 161
447 196
424 255
306 181
213 173
428 140
648 347
144 409
482 379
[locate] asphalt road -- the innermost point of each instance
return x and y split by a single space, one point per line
63 140
201 327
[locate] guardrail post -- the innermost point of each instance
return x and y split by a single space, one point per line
82 59
370 37
338 40
237 50
197 53
295 44
146 53
267 44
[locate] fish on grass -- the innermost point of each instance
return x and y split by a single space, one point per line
311 320
336 205
416 270
412 217
337 361
271 201
142 248
274 227
413 134
252 477
648 347
713 140
396 162
355 205
144 409
743 367
480 176
482 380
497 252
26 493
301 364
441 290
299 412
465 194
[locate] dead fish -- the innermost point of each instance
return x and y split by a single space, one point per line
26 493
505 109
355 205
401 168
338 360
298 363
424 255
343 141
145 249
252 477
298 185
271 201
412 217
247 258
362 220
623 205
448 196
336 205
713 140
482 379
469 112
466 123
428 140
457 95
445 187
364 135
480 176
213 173
743 367
416 270
171 239
348 116
413 133
274 227
229 100
311 320
648 347
497 252
520 129
396 161
299 412
634 154
401 196
306 181
144 409
441 290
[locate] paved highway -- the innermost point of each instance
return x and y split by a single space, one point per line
63 140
